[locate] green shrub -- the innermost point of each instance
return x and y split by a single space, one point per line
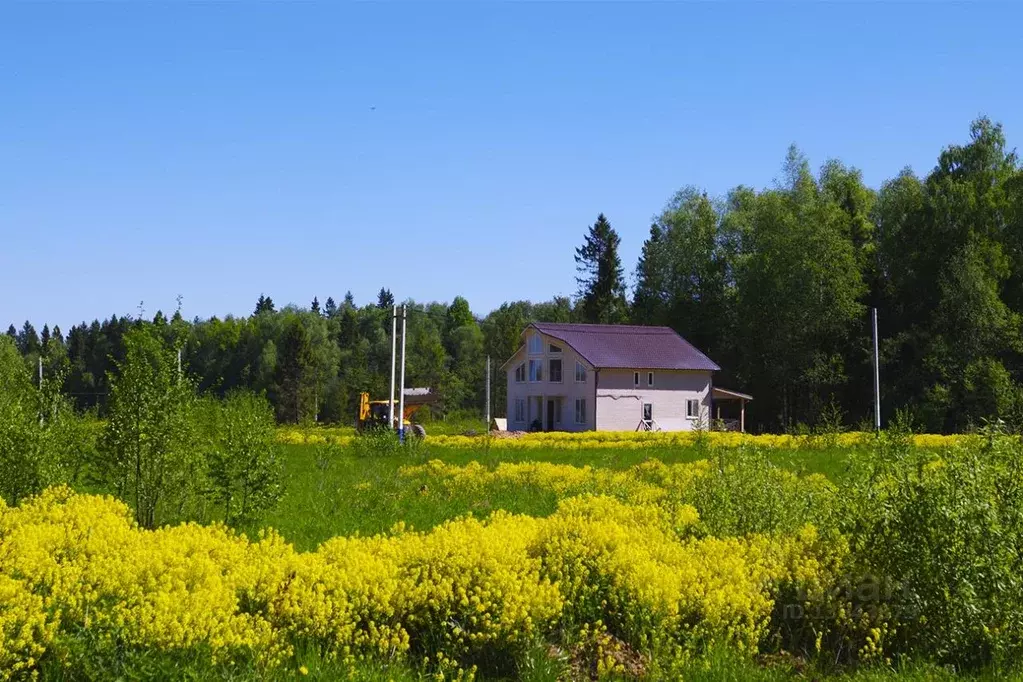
149 455
942 538
244 462
42 441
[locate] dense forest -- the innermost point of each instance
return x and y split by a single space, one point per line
775 285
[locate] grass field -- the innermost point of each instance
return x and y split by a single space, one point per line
334 491
547 558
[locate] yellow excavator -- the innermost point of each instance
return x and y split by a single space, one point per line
373 413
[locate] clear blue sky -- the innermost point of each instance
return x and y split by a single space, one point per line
218 151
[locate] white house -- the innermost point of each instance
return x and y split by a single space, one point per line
584 377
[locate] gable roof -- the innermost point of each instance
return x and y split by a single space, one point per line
619 346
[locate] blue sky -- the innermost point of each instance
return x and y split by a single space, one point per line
220 151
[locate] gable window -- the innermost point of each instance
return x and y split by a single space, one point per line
635 379
580 410
520 373
580 372
536 370
553 349
692 408
520 410
535 345
649 378
555 370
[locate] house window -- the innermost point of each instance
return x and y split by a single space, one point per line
536 370
635 379
692 408
648 412
649 378
553 349
580 410
520 373
555 370
535 345
520 410
580 372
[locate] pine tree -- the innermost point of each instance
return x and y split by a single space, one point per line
265 304
602 285
330 308
385 299
293 371
648 299
315 305
28 340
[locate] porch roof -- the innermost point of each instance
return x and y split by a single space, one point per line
725 394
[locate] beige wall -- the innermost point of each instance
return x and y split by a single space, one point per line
620 401
613 402
568 390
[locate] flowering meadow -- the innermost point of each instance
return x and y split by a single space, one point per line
667 559
590 440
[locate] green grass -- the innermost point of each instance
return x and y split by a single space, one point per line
334 491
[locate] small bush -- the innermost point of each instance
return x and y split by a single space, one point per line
244 462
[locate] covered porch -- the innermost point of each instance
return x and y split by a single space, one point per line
545 413
729 409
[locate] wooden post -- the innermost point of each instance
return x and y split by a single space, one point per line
742 415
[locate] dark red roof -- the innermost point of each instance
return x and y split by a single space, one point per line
619 346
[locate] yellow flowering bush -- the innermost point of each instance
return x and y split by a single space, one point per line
466 590
621 440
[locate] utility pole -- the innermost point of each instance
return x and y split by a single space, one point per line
179 365
40 372
401 395
877 379
488 394
394 341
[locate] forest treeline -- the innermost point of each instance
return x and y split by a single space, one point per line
775 285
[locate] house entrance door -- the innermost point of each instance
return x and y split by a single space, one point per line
549 423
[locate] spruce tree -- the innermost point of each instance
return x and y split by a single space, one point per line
330 308
602 284
385 299
349 300
12 332
44 337
28 340
315 305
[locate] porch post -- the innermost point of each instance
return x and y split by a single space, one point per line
742 415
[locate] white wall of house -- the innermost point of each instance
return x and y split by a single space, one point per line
620 400
536 394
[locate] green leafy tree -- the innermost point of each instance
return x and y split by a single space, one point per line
34 451
799 292
149 455
601 284
244 462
